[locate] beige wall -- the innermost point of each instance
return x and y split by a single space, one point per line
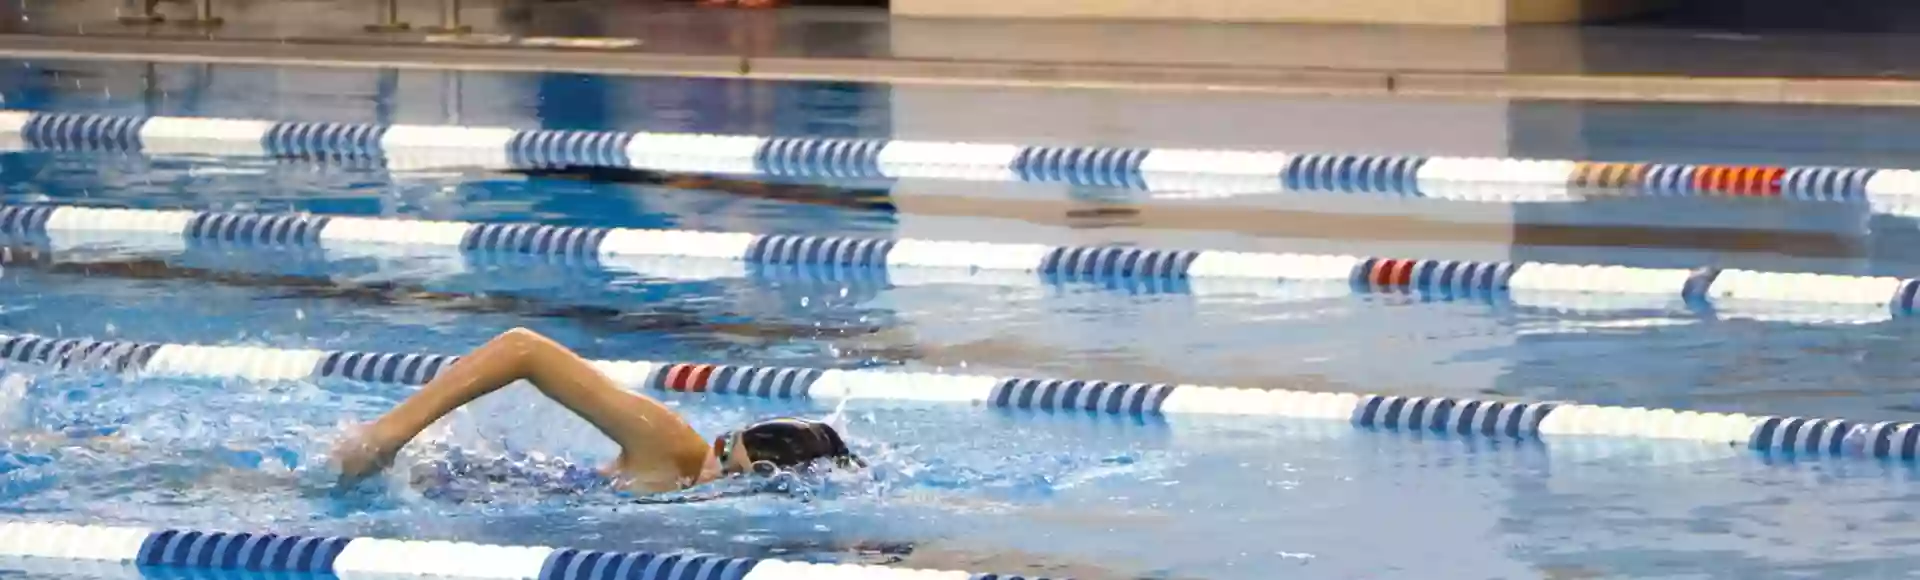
302 94
1146 43
1441 12
1200 119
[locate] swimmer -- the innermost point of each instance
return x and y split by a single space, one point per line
659 451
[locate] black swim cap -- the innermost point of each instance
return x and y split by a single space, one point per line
788 442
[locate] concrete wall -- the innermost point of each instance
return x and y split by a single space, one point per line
1142 43
1200 120
1438 12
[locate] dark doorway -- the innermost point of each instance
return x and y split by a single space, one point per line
1796 15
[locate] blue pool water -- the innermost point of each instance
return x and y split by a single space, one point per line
954 486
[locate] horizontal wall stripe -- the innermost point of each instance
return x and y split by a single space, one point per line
1173 170
1456 417
183 550
1854 298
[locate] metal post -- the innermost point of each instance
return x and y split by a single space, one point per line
389 18
150 87
142 12
450 19
203 15
386 86
453 88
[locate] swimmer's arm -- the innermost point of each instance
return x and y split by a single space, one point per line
659 451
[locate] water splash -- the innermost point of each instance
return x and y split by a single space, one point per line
13 389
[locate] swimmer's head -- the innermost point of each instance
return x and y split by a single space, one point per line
784 443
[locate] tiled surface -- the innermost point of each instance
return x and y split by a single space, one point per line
871 33
1424 12
1641 63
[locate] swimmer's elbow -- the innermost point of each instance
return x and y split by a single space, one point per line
525 346
523 335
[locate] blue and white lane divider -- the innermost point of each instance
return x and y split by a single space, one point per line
410 261
352 558
1189 172
1453 416
1524 284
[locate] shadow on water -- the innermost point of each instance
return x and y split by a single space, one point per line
603 319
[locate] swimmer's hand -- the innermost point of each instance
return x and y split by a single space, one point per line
362 453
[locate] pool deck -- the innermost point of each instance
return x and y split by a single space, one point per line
854 44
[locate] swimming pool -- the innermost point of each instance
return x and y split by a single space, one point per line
958 487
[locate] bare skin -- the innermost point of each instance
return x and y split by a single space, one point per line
659 452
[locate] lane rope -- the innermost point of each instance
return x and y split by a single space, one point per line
95 550
1471 418
1190 172
1550 285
